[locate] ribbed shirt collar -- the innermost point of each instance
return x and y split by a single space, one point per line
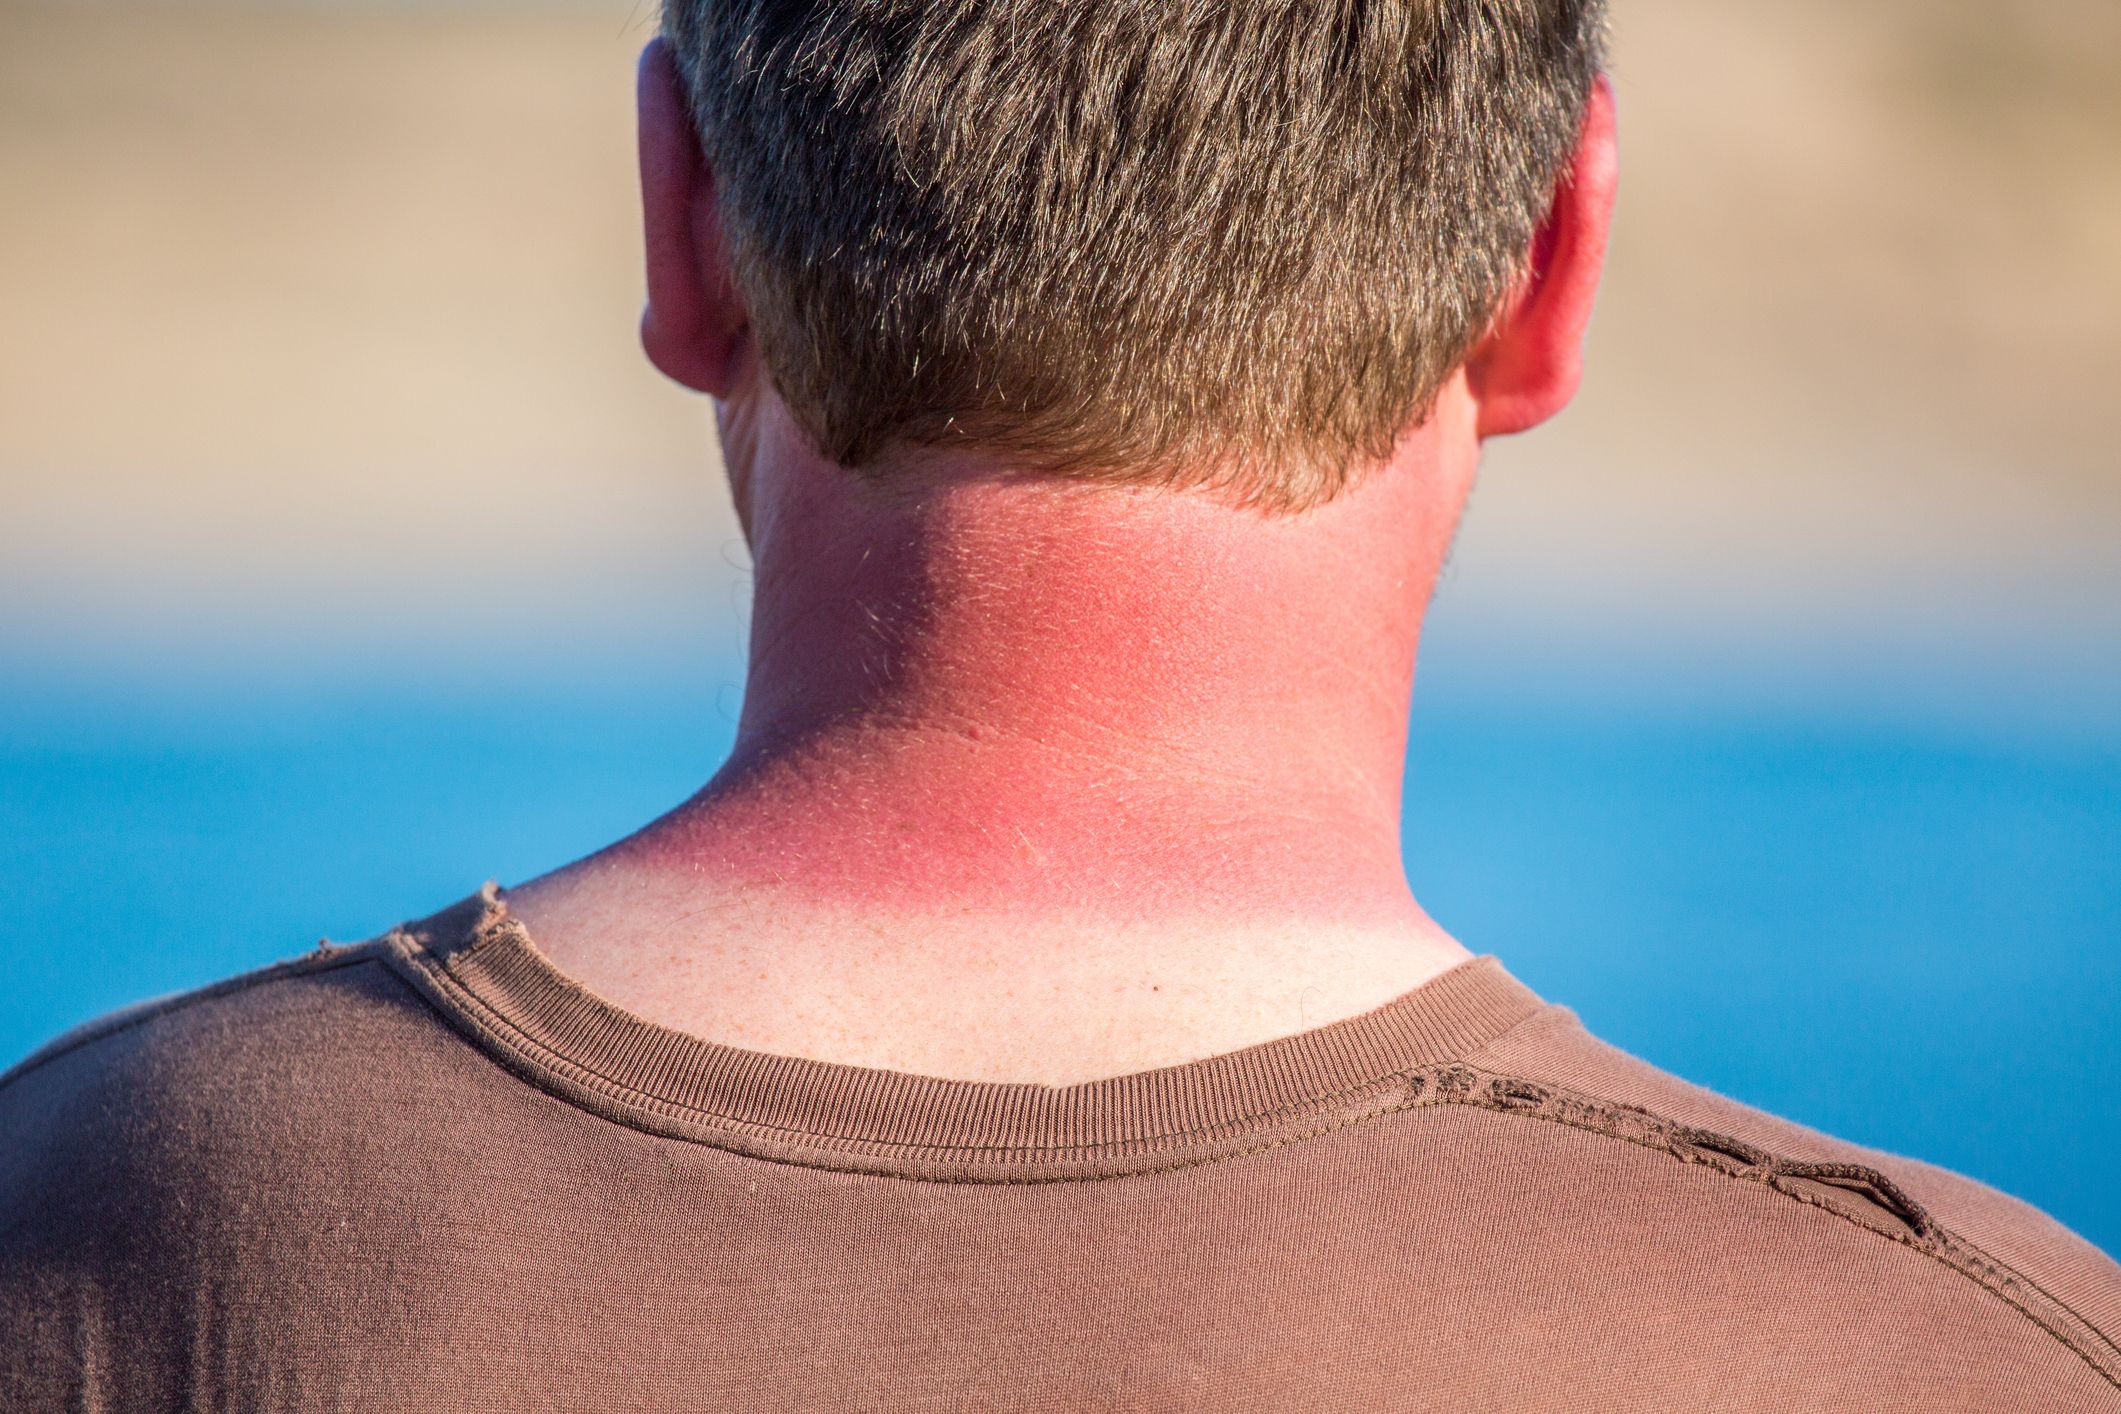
480 967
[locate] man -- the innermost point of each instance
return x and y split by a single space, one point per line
1033 1012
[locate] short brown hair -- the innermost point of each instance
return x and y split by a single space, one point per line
1239 242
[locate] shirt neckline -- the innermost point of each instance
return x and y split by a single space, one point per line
481 969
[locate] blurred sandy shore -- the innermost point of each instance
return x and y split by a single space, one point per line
321 318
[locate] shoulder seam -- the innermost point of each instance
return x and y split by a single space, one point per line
325 957
1900 1219
1861 1196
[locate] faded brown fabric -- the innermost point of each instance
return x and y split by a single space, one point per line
429 1173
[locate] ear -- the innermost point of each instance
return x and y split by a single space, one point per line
1528 366
694 327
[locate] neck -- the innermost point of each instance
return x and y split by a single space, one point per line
1144 735
1029 695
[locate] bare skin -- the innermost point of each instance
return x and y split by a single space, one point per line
1039 781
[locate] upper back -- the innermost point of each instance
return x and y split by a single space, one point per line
429 1172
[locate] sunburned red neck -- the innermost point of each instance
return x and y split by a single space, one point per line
1027 695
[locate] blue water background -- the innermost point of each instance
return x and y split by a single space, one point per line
1903 931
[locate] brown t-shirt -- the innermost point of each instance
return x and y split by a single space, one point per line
428 1172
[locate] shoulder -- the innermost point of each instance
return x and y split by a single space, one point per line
186 1105
176 1025
282 1022
293 1034
1924 1234
226 1160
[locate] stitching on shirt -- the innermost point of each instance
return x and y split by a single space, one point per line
495 923
1927 1232
686 1126
323 958
1504 1094
1424 1088
542 1059
2000 1271
1429 1087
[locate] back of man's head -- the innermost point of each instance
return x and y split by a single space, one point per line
1230 242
